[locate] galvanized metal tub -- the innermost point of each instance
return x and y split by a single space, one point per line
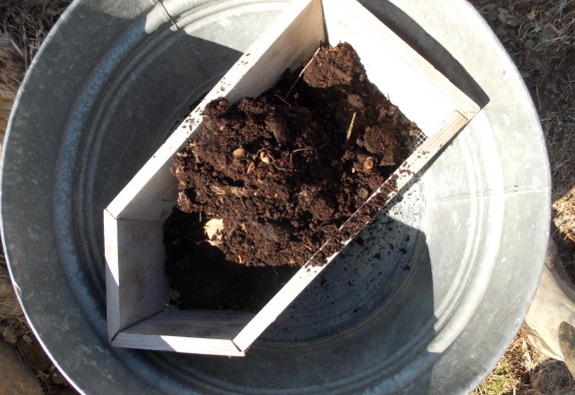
460 254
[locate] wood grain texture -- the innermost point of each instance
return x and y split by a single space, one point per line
206 324
449 128
136 302
112 275
188 331
136 284
177 344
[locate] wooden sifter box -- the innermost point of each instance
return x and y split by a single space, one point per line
137 289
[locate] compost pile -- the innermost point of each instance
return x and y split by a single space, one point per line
264 182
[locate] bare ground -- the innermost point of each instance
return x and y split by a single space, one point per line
539 35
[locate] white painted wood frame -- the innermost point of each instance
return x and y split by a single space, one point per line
137 290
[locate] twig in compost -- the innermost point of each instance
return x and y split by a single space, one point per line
297 150
282 99
350 129
301 73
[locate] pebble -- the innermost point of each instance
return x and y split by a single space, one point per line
9 334
239 152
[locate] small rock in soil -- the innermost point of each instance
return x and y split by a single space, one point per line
9 334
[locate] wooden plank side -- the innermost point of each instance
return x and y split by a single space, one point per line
277 305
416 161
207 324
112 274
151 194
293 38
421 92
426 151
177 344
286 45
143 288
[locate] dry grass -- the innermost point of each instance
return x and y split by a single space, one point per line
565 217
10 75
558 127
515 371
23 26
28 21
9 306
525 371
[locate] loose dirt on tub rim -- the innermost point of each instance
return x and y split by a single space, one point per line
265 182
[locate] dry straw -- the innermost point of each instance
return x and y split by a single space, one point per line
9 306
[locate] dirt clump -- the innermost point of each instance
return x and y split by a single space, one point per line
264 182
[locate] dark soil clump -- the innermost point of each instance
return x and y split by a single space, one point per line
283 172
